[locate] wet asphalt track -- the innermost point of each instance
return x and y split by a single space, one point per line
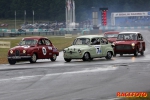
99 79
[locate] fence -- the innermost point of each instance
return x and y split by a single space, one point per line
63 31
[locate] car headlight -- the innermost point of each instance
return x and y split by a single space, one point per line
24 51
79 51
113 44
64 51
133 44
11 51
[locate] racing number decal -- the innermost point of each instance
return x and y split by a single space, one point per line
44 50
98 49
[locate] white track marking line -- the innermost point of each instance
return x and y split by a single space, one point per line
88 70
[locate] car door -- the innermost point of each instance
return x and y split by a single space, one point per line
42 54
141 43
104 45
96 47
49 48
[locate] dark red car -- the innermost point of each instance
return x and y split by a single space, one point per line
129 43
111 36
31 49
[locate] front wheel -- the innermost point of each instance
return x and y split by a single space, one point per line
86 57
109 55
54 57
33 58
67 60
12 61
121 54
142 53
136 53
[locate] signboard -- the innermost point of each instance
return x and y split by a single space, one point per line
68 35
4 44
125 14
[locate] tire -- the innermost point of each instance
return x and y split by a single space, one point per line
67 60
121 54
114 55
12 61
91 58
136 53
142 53
109 55
54 57
86 57
33 58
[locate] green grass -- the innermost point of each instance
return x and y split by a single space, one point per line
59 42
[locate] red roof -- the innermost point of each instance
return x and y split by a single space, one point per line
35 37
112 32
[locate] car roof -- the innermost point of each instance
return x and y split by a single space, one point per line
129 32
35 37
90 36
111 32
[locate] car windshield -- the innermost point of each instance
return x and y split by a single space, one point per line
111 35
28 42
81 41
126 36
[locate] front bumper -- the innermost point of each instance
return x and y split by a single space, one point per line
73 55
19 57
124 49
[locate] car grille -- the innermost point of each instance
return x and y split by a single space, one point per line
123 47
17 53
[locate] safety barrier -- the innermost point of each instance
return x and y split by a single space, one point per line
72 29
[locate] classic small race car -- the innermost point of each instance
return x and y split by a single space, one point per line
111 36
129 43
31 49
88 47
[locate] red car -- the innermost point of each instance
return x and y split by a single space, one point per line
111 36
129 43
31 49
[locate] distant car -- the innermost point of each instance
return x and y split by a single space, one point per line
129 43
31 49
21 31
88 47
111 36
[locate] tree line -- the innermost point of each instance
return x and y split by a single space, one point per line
54 10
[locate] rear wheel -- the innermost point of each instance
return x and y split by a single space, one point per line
109 55
33 58
54 57
12 61
86 57
67 60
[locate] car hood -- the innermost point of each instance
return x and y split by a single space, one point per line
21 47
112 39
124 42
77 47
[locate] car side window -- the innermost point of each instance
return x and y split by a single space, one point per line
95 41
104 41
140 38
41 42
47 42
